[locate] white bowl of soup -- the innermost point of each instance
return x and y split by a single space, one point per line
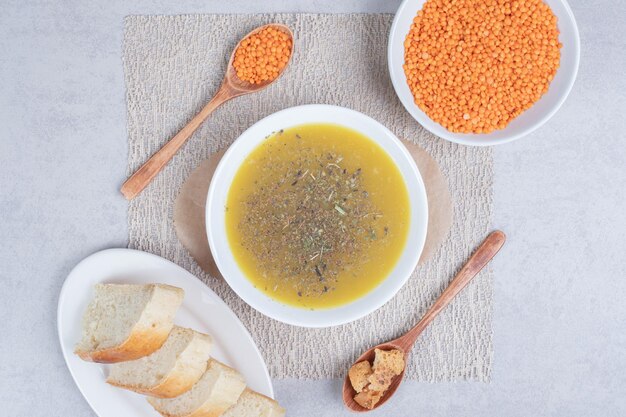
316 215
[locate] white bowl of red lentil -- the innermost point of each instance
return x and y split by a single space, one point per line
516 126
220 205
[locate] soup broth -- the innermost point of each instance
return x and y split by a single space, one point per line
317 215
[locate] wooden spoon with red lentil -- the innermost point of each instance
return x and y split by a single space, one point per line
258 60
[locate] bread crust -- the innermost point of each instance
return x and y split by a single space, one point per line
140 343
185 373
172 386
148 334
214 407
275 409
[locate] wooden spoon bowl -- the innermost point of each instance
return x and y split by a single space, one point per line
368 355
485 252
232 86
237 86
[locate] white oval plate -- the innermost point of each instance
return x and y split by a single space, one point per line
201 310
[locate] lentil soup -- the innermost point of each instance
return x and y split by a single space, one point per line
317 216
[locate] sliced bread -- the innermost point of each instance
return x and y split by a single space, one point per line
216 391
125 322
168 372
253 404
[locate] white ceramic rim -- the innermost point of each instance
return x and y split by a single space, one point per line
222 179
525 123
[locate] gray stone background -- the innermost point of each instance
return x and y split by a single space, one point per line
560 287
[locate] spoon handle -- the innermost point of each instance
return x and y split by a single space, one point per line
142 177
487 250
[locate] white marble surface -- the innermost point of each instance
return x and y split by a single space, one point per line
560 309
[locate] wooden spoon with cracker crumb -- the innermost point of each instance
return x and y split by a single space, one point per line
487 250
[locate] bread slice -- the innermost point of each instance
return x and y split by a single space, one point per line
216 391
253 404
168 372
125 322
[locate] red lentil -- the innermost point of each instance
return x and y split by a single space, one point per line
262 56
474 65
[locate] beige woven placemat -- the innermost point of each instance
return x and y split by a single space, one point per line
173 64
